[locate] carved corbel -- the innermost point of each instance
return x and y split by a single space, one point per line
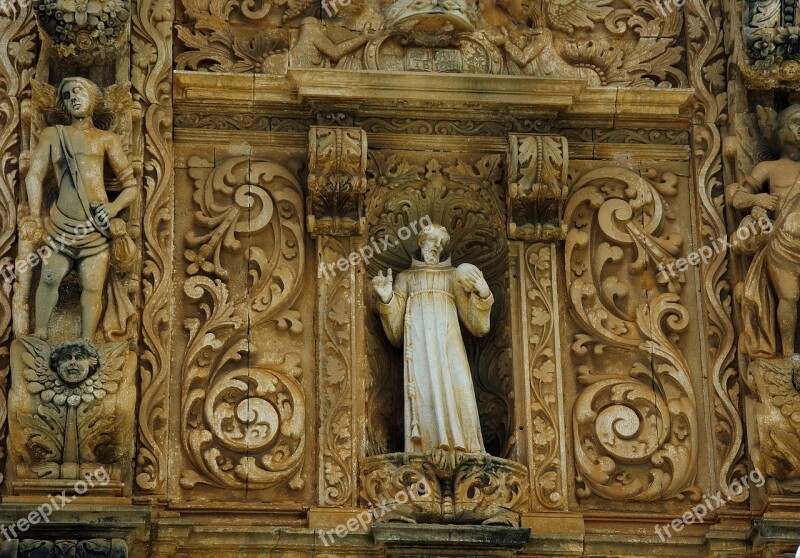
537 187
337 162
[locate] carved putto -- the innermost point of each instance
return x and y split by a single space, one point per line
81 229
73 404
771 193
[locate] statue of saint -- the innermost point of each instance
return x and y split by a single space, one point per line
80 224
776 266
420 313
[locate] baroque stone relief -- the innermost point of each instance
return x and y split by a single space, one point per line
635 418
631 45
243 394
73 401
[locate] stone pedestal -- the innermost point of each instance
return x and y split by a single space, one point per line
446 487
428 541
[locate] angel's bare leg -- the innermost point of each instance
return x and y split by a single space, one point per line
92 273
54 269
787 287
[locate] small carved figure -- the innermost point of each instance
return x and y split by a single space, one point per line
421 312
80 224
313 47
777 260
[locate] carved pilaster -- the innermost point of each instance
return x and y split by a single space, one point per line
339 335
537 187
337 163
539 378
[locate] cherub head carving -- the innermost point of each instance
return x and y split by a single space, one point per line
74 361
433 239
73 372
782 130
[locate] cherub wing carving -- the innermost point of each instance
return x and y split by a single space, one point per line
571 15
44 97
784 396
37 372
109 373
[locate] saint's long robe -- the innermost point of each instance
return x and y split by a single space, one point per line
423 317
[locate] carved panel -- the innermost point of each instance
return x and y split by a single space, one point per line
337 162
151 76
17 58
243 390
706 57
635 419
540 387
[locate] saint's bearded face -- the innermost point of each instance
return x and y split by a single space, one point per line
432 248
74 367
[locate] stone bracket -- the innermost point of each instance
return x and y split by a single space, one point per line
537 187
337 181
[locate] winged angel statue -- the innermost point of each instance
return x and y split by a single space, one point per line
80 229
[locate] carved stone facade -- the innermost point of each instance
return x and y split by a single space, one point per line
238 238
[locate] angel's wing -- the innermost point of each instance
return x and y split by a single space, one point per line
37 362
784 395
44 97
766 121
112 360
571 15
117 100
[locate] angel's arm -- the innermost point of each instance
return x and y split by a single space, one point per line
745 195
40 164
124 171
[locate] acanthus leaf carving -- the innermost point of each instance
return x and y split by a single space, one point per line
537 187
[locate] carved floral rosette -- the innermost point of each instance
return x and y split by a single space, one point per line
446 487
635 422
243 415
